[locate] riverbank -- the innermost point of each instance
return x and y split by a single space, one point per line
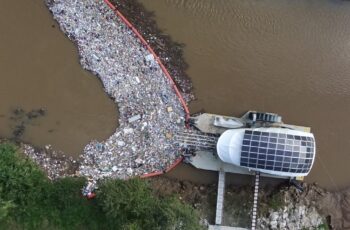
130 141
29 200
280 207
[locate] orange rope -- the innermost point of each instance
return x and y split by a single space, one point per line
177 92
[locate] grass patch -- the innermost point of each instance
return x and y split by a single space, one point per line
276 201
273 201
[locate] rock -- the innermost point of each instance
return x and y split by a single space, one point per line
282 225
273 224
295 214
274 216
301 211
285 215
315 218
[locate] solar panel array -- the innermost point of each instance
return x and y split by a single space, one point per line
277 151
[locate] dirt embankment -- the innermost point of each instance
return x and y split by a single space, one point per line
335 206
238 199
313 206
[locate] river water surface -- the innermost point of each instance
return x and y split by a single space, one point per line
40 69
283 56
288 57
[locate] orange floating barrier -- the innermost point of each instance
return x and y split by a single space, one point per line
177 91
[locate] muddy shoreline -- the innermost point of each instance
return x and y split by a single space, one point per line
280 207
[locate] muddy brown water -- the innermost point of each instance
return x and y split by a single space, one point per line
288 57
40 69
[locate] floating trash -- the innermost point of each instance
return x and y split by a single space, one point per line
148 105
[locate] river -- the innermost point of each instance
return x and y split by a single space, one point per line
282 56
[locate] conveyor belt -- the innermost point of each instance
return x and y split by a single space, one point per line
194 140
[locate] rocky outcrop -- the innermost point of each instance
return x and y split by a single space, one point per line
315 208
292 217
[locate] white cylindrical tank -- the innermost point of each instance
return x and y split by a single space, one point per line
277 151
229 146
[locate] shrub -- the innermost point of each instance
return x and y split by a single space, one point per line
128 204
131 205
69 209
24 184
28 200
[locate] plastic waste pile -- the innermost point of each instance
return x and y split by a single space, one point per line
150 112
54 163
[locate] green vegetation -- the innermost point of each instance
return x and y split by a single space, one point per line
276 201
323 226
273 201
320 227
28 200
131 205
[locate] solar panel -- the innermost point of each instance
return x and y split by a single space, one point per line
277 151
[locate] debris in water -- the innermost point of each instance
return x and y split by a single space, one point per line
133 78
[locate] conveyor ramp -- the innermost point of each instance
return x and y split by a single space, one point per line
195 140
